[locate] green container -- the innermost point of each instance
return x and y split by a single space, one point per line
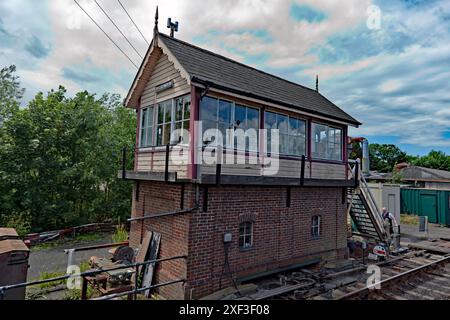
433 203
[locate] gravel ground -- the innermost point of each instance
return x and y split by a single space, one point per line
412 233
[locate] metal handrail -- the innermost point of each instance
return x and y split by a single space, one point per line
372 204
136 265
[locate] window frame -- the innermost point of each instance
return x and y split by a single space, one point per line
183 119
326 157
154 143
245 235
316 225
232 124
143 131
288 134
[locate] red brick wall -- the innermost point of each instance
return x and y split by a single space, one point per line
155 197
282 236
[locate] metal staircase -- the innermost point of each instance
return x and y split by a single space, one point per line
364 212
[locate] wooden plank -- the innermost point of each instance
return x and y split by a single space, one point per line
143 249
149 270
142 254
148 176
429 246
273 181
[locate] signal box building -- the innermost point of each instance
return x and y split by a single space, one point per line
261 221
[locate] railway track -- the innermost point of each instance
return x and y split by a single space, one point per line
419 278
422 273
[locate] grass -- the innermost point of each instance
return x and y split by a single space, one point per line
120 235
75 294
409 219
50 275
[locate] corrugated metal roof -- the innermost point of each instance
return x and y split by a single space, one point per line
208 67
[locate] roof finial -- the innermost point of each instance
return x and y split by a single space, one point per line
317 83
156 21
155 29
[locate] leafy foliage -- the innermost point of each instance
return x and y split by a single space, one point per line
383 157
434 160
10 93
60 158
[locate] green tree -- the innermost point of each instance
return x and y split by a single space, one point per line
383 157
10 93
60 158
434 160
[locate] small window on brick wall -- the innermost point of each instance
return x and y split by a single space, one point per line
315 231
246 235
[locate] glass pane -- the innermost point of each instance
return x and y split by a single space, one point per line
150 117
299 145
179 109
144 118
319 141
294 125
270 121
160 114
252 118
143 138
159 136
186 127
282 123
208 109
239 117
225 111
149 140
284 143
223 129
166 134
292 143
187 108
168 112
248 228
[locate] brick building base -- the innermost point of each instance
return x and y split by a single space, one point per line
282 235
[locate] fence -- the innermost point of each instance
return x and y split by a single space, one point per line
92 273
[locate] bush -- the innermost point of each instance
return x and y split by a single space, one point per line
21 222
120 235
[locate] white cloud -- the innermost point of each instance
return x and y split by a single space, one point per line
402 93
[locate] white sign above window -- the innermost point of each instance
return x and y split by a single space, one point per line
165 86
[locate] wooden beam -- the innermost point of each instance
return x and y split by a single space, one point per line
210 179
149 176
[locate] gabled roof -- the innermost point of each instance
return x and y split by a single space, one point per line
425 174
210 69
416 173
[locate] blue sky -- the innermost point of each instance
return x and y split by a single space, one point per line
394 79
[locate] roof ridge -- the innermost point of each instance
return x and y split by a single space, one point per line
239 63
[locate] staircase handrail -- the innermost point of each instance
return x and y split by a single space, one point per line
370 199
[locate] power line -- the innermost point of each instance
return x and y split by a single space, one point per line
115 25
137 28
123 52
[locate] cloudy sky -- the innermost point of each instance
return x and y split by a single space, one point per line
392 74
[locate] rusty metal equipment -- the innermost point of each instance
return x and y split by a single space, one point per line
13 263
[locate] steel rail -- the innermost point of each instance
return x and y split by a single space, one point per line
371 289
